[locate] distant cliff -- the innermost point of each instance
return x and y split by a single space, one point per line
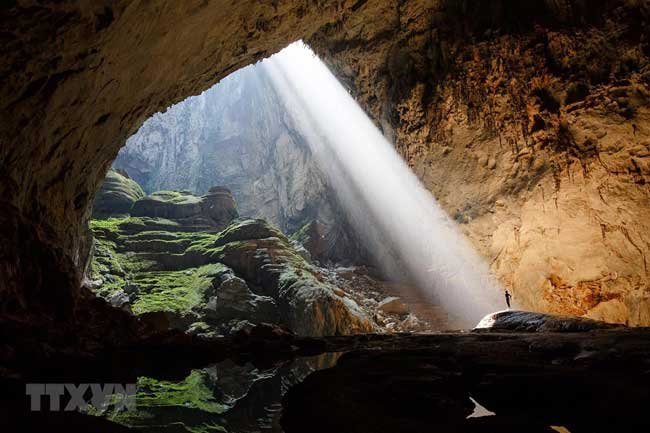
236 134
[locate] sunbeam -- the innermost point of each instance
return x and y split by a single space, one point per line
384 200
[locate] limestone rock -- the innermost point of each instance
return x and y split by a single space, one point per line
526 321
116 196
120 299
544 167
264 257
214 210
393 305
234 300
219 205
248 272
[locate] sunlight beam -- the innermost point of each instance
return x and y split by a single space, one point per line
384 200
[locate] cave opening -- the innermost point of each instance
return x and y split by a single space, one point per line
528 123
275 166
278 150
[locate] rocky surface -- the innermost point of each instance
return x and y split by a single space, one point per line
529 123
212 211
187 262
235 134
184 261
116 196
239 134
526 321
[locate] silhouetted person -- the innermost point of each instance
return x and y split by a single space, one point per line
508 296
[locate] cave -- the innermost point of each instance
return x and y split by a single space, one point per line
527 122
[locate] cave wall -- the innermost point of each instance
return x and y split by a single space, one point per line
530 123
78 78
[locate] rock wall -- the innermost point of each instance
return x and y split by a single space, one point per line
236 134
529 122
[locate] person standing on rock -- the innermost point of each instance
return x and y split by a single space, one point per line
508 296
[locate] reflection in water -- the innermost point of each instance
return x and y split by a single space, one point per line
225 397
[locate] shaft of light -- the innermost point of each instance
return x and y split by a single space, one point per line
384 200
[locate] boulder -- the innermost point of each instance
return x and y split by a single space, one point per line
116 196
393 305
219 205
528 321
265 258
120 299
213 211
234 300
168 204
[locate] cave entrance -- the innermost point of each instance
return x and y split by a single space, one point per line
270 196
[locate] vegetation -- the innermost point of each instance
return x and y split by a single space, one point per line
156 399
176 197
175 291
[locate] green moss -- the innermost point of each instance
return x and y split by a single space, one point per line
107 265
176 197
193 392
106 228
116 195
174 291
191 401
247 229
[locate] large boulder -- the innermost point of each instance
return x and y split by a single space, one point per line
168 204
117 195
233 300
219 205
528 321
214 210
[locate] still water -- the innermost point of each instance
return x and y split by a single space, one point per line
224 397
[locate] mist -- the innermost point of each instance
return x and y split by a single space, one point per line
384 200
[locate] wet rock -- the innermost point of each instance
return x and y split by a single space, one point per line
526 321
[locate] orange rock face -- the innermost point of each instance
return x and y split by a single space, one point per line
532 129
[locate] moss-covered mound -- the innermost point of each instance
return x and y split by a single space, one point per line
272 266
116 196
168 204
209 212
216 282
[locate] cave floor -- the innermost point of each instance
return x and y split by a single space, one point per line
595 381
